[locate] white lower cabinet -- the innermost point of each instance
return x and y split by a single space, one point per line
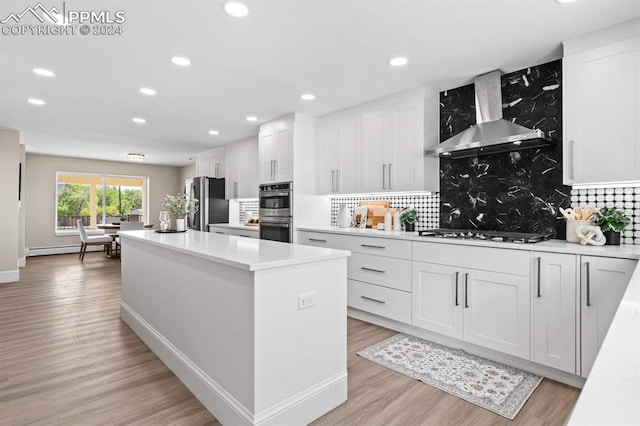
487 308
382 301
554 310
248 233
603 282
320 239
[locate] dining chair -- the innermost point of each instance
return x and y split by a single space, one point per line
128 226
93 240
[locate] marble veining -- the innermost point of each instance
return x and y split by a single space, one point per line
517 191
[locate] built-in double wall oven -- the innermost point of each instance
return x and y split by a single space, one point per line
276 212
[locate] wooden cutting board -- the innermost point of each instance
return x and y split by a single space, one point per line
376 211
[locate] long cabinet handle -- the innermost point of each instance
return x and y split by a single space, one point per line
384 176
380 271
275 173
333 181
235 189
271 175
573 159
539 261
373 300
588 283
338 180
318 240
466 290
389 179
372 246
457 280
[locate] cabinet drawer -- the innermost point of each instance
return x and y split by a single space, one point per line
516 262
386 302
320 239
378 246
384 271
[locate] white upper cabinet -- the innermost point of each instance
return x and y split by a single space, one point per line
602 107
211 163
276 151
379 146
338 157
241 162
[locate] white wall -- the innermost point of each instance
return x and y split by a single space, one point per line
39 191
9 217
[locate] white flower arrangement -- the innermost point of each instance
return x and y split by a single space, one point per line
180 205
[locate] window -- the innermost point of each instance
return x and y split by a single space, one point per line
99 199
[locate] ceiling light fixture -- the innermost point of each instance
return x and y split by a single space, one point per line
34 101
134 156
138 120
44 72
214 132
147 91
235 9
181 61
308 97
252 118
400 61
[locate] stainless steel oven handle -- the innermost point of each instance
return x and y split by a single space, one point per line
271 194
264 224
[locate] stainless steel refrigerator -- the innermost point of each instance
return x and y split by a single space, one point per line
213 206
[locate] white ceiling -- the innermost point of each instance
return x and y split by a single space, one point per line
260 65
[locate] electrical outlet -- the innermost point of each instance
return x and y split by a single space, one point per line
306 300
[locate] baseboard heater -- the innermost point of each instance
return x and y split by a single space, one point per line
45 251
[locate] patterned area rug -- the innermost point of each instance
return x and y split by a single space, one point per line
490 385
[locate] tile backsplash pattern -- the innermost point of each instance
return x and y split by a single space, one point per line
247 206
427 206
627 199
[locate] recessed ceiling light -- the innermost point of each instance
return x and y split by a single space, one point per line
252 118
134 156
563 1
214 132
398 62
181 61
44 72
35 101
235 9
147 91
308 97
138 120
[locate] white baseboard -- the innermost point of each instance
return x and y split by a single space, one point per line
10 276
22 262
45 251
299 409
523 364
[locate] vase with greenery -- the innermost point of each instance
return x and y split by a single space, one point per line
612 222
409 216
180 206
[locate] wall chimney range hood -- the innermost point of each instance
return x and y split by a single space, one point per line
491 133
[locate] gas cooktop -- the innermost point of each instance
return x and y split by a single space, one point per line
469 234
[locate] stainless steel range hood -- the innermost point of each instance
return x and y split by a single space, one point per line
492 133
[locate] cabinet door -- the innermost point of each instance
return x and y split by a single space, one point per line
496 311
349 160
437 298
283 154
326 149
602 106
603 283
404 142
266 149
554 310
241 164
374 176
216 163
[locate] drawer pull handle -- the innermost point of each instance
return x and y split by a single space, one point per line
457 279
373 300
586 264
317 240
246 236
372 246
466 290
373 270
218 232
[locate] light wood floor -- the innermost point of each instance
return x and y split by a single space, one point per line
66 358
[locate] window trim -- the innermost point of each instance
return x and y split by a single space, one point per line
104 176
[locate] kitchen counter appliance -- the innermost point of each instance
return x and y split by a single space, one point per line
213 207
500 236
276 212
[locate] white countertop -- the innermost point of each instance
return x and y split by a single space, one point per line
244 253
625 251
611 395
254 228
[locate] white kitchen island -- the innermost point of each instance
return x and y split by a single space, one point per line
255 329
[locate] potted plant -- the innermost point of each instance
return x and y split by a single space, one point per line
180 206
612 222
409 216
